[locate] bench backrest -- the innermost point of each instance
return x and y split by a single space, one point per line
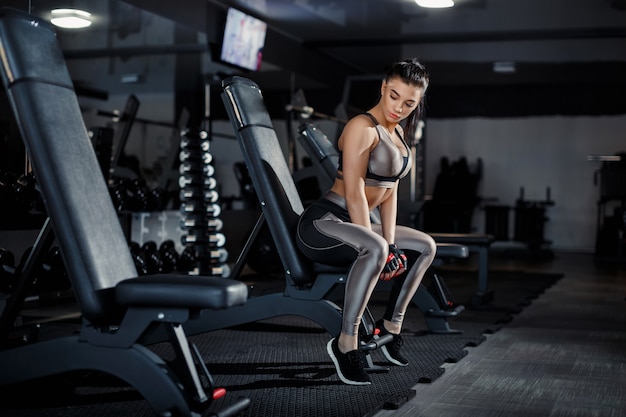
325 156
322 152
272 180
84 220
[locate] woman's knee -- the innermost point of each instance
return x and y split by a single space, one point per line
379 248
412 239
431 245
376 248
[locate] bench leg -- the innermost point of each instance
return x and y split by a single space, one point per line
483 294
436 317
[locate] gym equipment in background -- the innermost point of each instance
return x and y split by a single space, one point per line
454 198
530 217
530 220
200 208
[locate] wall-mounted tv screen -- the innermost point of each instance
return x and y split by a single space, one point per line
244 38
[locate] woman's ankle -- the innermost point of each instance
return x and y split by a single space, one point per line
347 343
392 327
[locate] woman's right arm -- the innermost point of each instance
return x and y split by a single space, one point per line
356 143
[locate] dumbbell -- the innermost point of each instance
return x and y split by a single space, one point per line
119 196
211 224
188 180
213 262
194 161
197 191
191 138
139 195
138 259
219 255
197 207
157 199
169 256
195 194
212 255
201 237
194 135
222 270
193 145
187 259
152 256
196 169
203 266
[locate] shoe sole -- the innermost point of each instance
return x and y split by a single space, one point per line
390 358
329 349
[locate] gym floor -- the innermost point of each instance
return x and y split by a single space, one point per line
564 355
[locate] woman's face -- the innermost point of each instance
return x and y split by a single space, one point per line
399 99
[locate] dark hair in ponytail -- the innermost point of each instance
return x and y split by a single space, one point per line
412 72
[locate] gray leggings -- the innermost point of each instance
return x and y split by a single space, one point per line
326 235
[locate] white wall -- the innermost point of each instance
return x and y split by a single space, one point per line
534 153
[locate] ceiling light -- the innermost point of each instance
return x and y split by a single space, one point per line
435 4
504 67
70 18
132 78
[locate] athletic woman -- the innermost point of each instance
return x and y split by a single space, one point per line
337 229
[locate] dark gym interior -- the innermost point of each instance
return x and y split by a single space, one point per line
147 192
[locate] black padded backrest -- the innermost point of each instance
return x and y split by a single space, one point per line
322 152
268 169
84 221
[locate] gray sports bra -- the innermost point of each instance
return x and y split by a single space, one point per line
387 164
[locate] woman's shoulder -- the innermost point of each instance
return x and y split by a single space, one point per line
361 122
358 130
359 126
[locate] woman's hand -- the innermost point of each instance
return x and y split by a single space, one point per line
396 263
401 257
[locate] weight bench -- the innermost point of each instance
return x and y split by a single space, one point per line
325 158
118 308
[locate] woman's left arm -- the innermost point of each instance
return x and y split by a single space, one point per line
389 215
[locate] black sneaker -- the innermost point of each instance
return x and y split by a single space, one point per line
350 365
391 350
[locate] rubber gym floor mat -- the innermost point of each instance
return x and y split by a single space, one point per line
512 290
281 364
290 374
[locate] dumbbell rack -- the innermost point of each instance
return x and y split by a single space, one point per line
200 208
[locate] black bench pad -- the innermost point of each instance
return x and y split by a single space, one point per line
181 291
464 238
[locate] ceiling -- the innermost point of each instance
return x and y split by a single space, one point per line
563 50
